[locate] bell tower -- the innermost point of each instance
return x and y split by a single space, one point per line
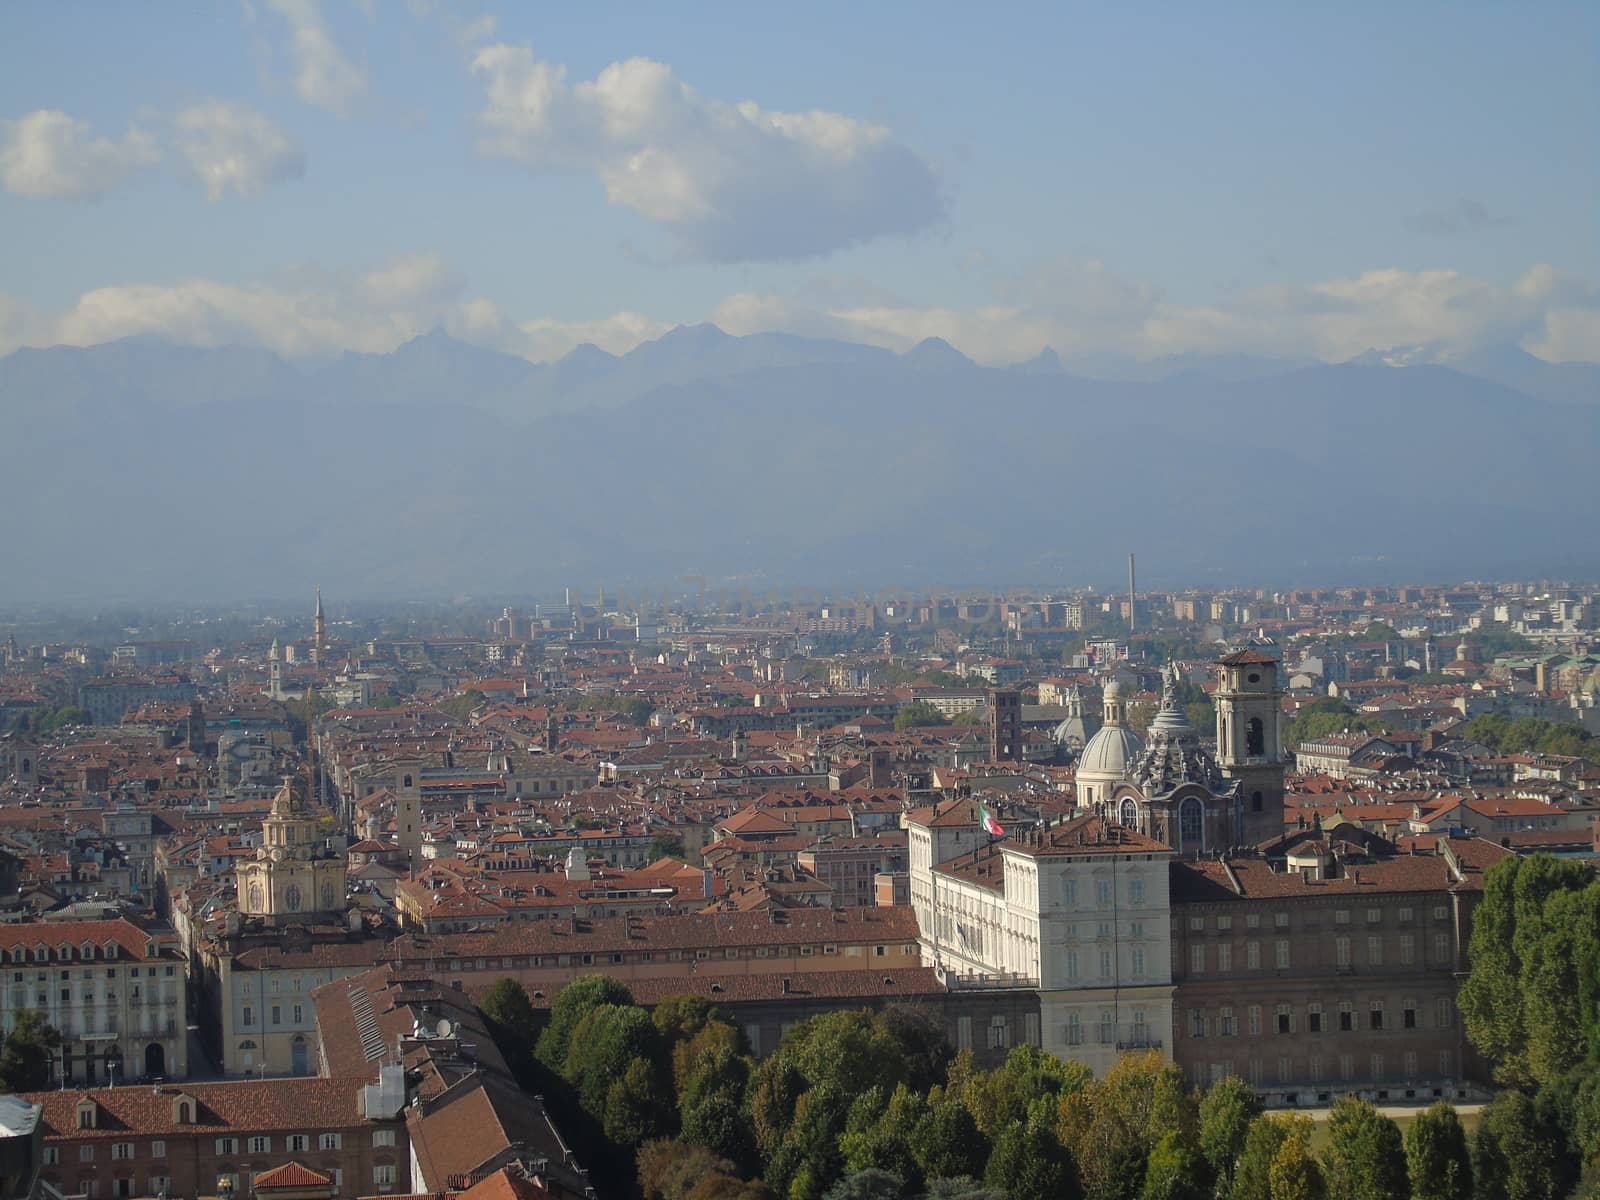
408 813
1250 736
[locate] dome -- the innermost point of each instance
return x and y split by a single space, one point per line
1112 691
1109 754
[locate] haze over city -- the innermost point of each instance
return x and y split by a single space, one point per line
835 602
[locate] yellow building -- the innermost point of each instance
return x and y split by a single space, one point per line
294 875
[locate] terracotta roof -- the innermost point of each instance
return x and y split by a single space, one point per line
295 1104
291 1175
1247 656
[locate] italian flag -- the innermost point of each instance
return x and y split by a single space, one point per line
990 825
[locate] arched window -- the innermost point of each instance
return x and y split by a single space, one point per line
1191 824
1130 813
1255 738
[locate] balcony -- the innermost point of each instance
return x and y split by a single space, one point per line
981 982
1140 1043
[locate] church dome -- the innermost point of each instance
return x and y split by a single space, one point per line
1109 754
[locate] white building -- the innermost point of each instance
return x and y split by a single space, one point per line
115 991
1077 911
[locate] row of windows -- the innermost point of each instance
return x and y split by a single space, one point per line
1102 892
1406 949
1344 1018
1072 1033
1199 923
64 952
1317 1067
89 973
1107 963
297 1015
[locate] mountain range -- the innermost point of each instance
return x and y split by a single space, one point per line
143 469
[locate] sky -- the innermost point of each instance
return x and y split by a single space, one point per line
317 176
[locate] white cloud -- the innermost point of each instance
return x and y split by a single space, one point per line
1084 308
1075 308
50 154
306 314
323 76
545 339
232 148
728 182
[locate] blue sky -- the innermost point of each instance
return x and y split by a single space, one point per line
1143 179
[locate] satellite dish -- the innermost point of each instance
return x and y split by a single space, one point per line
444 1029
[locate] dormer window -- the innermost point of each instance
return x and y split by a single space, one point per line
41 954
87 1111
88 950
63 953
111 949
183 1111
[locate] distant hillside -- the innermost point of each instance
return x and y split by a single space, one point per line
140 469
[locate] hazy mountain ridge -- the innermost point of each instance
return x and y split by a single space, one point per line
143 469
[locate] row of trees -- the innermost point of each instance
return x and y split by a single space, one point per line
36 722
1327 716
874 1106
1524 734
1531 1004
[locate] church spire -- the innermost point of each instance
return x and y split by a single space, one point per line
319 636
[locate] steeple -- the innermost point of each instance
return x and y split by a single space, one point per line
319 636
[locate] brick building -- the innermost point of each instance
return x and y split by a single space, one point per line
1327 964
182 1140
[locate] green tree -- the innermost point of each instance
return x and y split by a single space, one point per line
962 1187
574 1003
1294 1174
1252 1176
462 706
28 1054
637 1106
511 1021
1491 996
670 1170
869 1183
1515 1155
1113 1124
679 1018
948 1143
1529 1000
1004 1096
886 1144
920 1041
1030 1163
1226 1111
1438 1161
1557 978
720 1124
665 845
1366 1158
917 713
1173 1172
603 1047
